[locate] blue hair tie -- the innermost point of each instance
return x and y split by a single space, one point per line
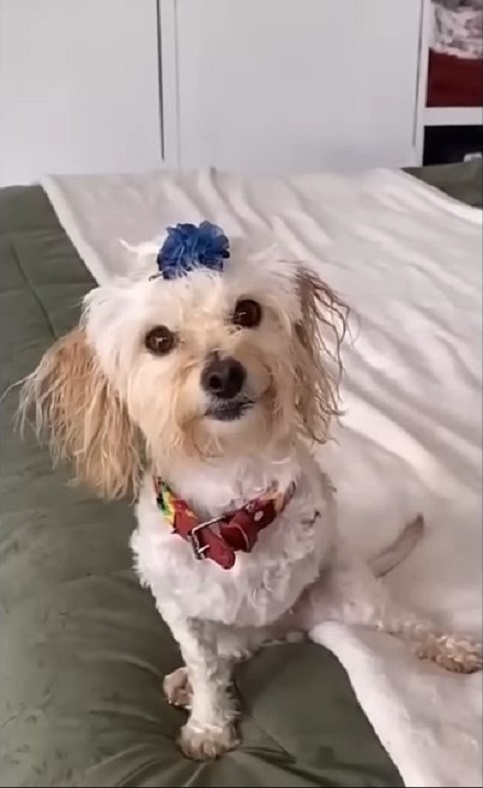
188 247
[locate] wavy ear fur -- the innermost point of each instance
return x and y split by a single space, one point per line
86 422
318 338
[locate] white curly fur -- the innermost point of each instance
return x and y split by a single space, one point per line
299 574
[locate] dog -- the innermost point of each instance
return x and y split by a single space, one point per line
203 388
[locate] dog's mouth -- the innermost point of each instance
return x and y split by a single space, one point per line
230 410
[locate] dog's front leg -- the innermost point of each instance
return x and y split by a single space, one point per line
210 730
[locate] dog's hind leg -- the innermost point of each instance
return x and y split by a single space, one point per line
350 593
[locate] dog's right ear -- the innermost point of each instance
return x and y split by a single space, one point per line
86 422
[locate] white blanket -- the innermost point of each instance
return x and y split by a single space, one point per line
408 261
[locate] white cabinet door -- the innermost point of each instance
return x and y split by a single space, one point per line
286 85
79 88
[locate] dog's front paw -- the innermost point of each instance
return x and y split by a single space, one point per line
459 655
207 743
177 688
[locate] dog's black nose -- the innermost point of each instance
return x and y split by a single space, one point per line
223 377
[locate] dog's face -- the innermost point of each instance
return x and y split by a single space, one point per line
209 365
205 363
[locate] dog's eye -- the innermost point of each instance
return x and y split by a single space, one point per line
160 340
247 314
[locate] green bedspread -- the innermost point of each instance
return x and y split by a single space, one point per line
82 650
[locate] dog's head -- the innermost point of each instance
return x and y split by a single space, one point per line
209 364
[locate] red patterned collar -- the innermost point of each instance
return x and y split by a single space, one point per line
222 537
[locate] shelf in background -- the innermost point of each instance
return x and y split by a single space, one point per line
453 116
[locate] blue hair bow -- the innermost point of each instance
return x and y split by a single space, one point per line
188 247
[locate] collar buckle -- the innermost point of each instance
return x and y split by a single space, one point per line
198 548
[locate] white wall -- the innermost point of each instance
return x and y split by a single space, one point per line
251 85
79 87
290 85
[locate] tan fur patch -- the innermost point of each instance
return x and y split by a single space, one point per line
318 340
458 655
87 423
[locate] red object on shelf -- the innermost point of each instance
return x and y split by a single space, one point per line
454 81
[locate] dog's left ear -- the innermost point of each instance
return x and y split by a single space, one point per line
317 340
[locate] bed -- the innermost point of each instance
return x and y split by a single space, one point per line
82 650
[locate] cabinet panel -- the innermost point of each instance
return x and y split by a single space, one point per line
284 85
79 87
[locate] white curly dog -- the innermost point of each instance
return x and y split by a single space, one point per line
203 393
